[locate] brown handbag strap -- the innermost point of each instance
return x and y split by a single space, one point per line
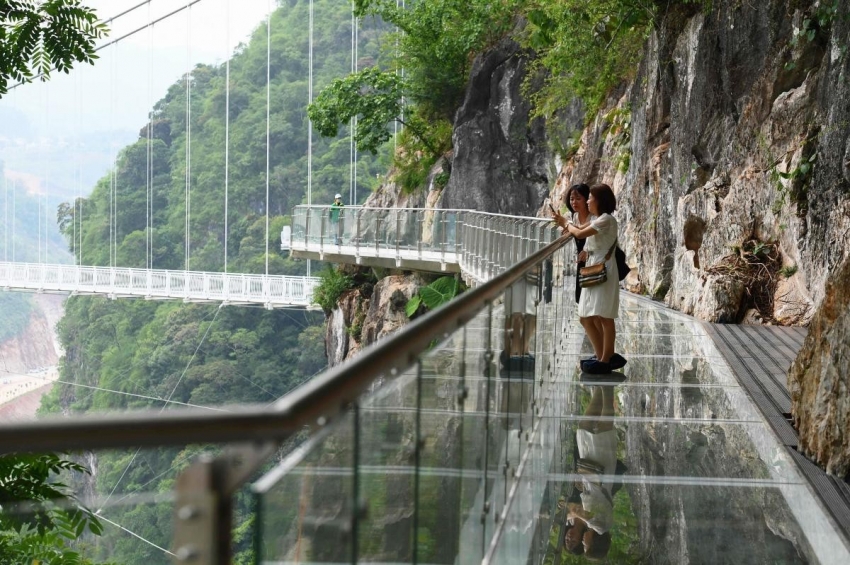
611 251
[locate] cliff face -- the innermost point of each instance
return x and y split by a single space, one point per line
729 153
730 156
37 345
366 314
820 384
501 160
733 136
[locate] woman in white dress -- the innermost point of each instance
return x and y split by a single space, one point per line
599 305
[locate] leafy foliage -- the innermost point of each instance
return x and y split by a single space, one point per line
439 292
36 38
437 42
333 282
371 95
45 530
586 47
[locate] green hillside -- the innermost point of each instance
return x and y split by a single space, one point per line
204 355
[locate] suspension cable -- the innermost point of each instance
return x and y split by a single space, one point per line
226 127
167 400
115 162
78 188
356 58
46 186
134 534
351 199
149 153
310 101
268 120
5 217
188 201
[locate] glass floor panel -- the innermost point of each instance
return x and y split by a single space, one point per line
465 458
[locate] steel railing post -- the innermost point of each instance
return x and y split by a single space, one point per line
420 232
357 235
397 238
322 226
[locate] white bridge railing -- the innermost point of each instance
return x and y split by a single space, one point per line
271 291
477 243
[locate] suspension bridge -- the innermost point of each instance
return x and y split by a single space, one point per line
427 410
479 245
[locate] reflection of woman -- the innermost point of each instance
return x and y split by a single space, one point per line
589 521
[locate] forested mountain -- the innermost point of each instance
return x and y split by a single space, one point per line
204 355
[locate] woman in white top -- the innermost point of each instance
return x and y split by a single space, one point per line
599 305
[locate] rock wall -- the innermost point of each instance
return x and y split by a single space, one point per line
698 146
37 346
368 313
820 383
501 161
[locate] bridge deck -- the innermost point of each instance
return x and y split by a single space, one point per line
271 291
760 357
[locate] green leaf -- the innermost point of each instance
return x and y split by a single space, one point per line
439 292
412 305
805 168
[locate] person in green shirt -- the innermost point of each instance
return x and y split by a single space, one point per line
335 213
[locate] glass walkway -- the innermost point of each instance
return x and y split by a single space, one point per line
471 436
697 475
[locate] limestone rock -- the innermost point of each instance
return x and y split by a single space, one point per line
723 104
820 383
365 314
386 308
501 162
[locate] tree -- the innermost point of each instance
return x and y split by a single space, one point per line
51 520
372 95
37 38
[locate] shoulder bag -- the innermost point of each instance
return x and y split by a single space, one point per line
595 274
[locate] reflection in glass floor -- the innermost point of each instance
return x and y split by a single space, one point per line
464 459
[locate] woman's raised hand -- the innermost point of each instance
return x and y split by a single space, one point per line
558 218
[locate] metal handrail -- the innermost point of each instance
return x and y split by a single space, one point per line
315 404
270 290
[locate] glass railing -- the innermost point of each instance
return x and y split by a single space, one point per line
191 286
479 244
472 436
443 462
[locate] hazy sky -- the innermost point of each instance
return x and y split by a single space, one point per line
117 92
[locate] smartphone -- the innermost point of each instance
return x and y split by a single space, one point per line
551 208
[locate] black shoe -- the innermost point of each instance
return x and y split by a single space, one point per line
611 378
617 361
597 367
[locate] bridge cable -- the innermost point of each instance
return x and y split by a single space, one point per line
268 120
14 218
351 122
356 58
149 155
120 392
228 56
42 222
170 395
309 121
134 534
5 217
47 179
117 39
78 260
188 197
112 150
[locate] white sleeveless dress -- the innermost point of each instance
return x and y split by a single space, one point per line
604 299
